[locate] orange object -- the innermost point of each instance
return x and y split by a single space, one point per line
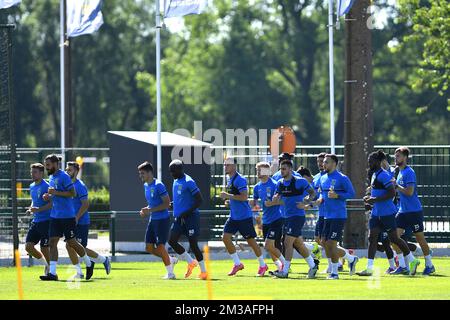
190 268
208 274
19 274
282 140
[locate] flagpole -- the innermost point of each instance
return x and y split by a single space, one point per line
331 72
61 79
158 90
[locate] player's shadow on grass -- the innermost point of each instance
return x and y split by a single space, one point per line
127 269
101 278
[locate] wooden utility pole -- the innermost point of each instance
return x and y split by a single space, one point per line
358 123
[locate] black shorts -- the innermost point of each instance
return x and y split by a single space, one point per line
293 226
244 227
274 230
333 229
82 233
189 226
63 227
157 231
39 232
410 220
384 223
319 227
383 236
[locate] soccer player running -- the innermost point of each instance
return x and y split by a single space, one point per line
277 176
335 188
241 218
158 201
187 198
383 245
383 212
321 212
314 246
40 209
272 220
81 205
62 217
291 193
410 215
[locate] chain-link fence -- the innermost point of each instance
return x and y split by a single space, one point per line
8 197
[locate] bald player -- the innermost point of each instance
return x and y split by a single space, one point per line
187 198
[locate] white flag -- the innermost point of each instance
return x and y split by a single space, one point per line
8 3
344 6
179 8
83 17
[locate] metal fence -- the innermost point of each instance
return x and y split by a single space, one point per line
431 164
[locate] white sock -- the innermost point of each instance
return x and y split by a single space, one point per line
329 262
401 260
334 267
310 261
235 258
428 261
53 267
261 261
186 256
410 257
286 266
42 259
309 246
282 259
78 268
370 264
169 268
278 264
202 266
86 260
99 259
392 263
349 257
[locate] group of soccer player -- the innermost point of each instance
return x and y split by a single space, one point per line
284 197
60 208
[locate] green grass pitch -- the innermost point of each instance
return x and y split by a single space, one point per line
143 280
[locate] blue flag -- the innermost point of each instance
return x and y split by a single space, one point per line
83 17
344 6
8 3
179 8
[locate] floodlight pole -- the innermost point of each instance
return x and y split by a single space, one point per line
158 91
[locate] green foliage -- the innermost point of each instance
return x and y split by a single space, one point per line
431 25
242 64
99 199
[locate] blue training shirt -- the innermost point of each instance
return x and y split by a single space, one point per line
265 191
239 210
292 191
406 178
154 192
341 184
62 206
82 194
381 181
184 190
277 177
316 185
36 192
